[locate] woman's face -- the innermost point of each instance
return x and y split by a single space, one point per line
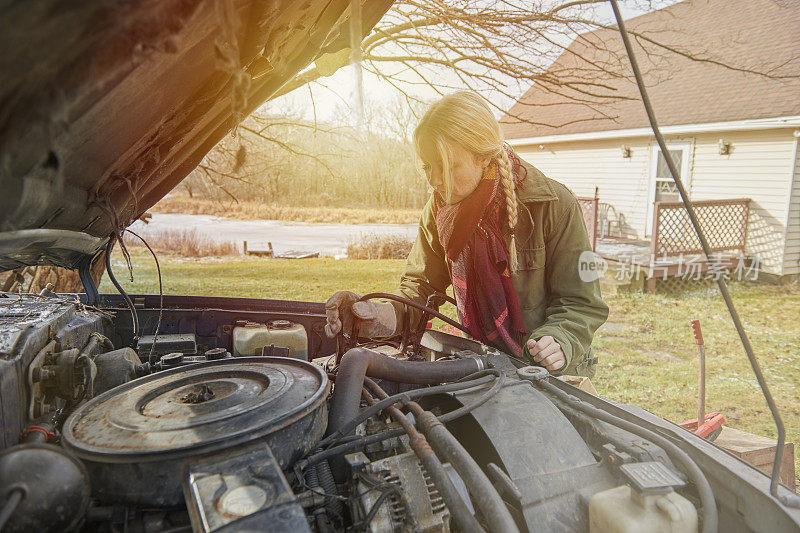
466 171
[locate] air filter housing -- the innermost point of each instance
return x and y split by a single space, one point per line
138 439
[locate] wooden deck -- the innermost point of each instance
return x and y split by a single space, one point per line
633 259
674 251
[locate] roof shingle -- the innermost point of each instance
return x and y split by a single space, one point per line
759 35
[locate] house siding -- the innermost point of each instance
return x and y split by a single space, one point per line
622 182
791 259
757 168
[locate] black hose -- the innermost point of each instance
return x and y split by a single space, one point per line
328 484
707 500
14 496
723 287
462 516
355 443
359 362
414 304
128 302
386 492
40 430
477 402
483 492
312 480
467 382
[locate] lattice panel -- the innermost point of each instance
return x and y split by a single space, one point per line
677 285
724 223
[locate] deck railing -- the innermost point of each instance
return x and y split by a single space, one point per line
589 208
724 223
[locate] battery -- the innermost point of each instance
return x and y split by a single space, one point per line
185 343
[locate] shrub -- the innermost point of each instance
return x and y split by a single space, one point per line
380 247
187 243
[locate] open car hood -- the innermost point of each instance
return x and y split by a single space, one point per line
105 106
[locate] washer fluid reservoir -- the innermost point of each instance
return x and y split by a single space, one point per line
249 339
625 510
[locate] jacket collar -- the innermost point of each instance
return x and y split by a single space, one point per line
536 187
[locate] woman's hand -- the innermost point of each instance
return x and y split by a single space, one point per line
547 352
378 319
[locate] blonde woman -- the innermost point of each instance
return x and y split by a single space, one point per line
506 237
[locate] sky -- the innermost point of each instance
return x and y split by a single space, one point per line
335 97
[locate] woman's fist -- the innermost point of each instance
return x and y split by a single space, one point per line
547 352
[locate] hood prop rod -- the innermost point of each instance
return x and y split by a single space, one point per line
793 501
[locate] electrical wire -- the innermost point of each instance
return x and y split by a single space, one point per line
723 287
160 293
128 302
393 489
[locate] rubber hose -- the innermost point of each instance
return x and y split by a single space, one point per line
473 380
707 499
460 513
328 484
483 492
358 362
312 480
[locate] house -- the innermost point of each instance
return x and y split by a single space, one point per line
728 103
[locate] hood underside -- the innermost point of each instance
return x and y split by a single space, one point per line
106 106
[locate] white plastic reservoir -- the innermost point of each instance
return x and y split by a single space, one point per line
623 510
250 338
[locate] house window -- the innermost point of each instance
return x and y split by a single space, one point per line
666 190
662 188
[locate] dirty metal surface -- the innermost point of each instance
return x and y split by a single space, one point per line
201 405
139 439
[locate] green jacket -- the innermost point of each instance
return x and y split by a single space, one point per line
550 237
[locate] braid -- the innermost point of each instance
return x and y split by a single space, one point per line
507 182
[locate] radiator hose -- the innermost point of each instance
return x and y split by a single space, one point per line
360 362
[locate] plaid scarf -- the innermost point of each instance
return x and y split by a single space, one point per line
470 233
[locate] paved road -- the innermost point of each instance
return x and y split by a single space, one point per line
327 239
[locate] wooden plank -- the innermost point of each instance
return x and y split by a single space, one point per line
758 451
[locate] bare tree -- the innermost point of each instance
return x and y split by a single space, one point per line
500 48
504 47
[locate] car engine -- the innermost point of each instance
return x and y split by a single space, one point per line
239 415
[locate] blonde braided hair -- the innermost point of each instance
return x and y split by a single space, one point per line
465 119
510 192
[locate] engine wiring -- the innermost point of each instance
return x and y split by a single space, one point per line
723 287
128 302
160 292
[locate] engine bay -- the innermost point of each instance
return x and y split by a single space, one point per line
231 414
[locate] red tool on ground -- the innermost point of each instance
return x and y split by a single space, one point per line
712 422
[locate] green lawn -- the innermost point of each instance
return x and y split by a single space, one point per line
647 354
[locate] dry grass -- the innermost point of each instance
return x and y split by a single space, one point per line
185 244
380 247
259 211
